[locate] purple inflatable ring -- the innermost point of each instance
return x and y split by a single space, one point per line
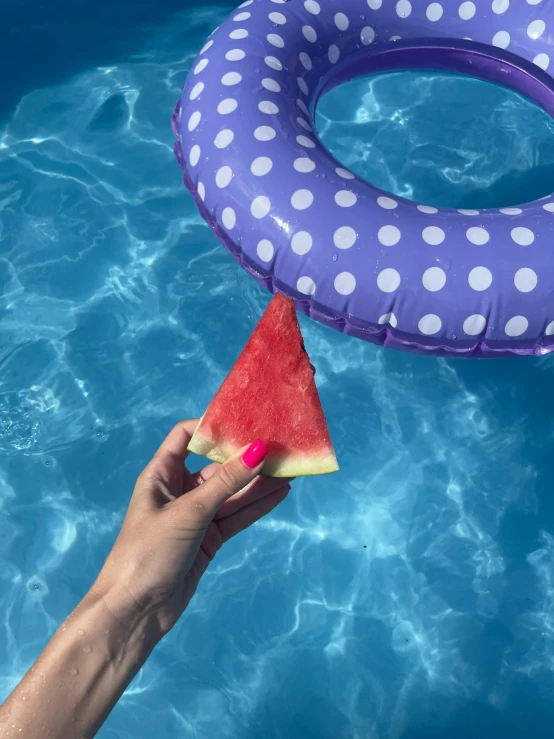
465 283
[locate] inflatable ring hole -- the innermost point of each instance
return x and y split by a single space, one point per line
446 139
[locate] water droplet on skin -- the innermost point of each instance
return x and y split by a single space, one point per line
107 632
81 632
199 505
74 671
88 650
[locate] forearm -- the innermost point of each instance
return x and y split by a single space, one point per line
82 672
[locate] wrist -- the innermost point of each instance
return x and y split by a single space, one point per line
129 620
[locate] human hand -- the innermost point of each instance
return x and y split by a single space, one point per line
176 523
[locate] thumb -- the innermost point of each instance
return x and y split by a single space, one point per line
231 477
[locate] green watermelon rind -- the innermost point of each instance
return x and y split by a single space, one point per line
301 465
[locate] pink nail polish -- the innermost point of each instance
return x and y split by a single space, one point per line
255 454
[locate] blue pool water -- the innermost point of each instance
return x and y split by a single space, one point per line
410 596
441 139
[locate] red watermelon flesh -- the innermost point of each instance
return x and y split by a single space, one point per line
270 394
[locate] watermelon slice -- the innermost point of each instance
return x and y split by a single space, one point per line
270 394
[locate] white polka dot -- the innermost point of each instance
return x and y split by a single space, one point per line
367 35
302 199
523 236
535 29
467 10
542 61
345 198
395 38
388 318
468 212
475 325
229 218
303 107
194 155
341 21
201 190
374 4
265 133
434 279
260 206
235 55
525 280
430 324
278 18
434 12
305 141
549 207
279 2
387 203
306 286
305 125
304 164
309 34
194 120
207 46
345 283
511 211
516 326
229 105
238 34
388 280
202 64
389 235
403 8
433 235
346 175
275 40
231 78
224 138
301 242
245 3
241 17
303 86
427 209
550 329
344 237
533 2
223 176
480 278
500 6
196 90
501 39
271 85
477 235
333 54
312 7
305 60
265 250
261 166
273 63
266 106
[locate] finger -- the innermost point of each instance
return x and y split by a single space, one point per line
244 518
258 489
174 446
231 477
203 475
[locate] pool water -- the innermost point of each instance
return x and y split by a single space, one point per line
441 139
409 596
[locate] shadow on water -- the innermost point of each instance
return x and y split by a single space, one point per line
42 44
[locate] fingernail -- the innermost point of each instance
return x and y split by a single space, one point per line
255 454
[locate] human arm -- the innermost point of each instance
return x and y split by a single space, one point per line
174 526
